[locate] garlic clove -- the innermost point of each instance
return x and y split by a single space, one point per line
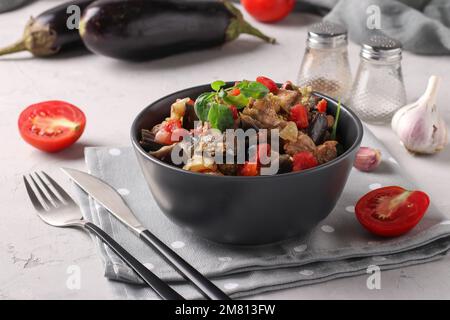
419 126
367 159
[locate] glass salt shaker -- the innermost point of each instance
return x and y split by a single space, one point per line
325 65
378 90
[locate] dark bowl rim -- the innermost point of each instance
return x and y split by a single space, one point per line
137 146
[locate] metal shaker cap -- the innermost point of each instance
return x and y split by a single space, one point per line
327 34
381 48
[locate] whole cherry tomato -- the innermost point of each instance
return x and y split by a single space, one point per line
268 10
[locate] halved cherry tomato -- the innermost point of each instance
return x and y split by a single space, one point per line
268 10
52 125
269 83
391 211
299 114
322 106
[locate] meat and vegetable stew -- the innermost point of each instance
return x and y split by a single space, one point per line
291 125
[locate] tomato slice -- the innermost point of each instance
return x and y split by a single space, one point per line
322 106
51 125
391 211
299 114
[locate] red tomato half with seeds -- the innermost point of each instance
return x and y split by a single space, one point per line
391 211
268 10
52 125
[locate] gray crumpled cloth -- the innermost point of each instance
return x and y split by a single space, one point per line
423 26
338 247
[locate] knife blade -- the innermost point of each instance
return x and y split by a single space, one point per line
109 198
106 195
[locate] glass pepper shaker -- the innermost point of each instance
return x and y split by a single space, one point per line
378 89
325 65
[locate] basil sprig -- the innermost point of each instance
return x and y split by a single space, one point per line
214 106
338 113
252 89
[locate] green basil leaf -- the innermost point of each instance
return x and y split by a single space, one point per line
217 85
220 117
239 101
253 89
202 105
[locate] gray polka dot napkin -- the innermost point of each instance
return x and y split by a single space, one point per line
338 247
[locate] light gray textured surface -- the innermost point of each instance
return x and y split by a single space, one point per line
34 257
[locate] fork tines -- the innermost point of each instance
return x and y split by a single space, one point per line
45 192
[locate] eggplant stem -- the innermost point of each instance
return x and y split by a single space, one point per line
238 25
247 28
16 47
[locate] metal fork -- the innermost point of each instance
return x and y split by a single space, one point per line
55 207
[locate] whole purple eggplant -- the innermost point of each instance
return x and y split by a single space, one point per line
146 29
48 33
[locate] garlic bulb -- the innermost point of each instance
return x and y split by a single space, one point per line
419 125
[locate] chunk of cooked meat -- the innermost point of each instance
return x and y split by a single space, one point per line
326 151
303 143
264 111
287 98
330 120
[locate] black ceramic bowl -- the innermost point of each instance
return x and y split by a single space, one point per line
246 210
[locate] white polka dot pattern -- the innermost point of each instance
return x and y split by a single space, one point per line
123 191
306 273
225 259
300 248
230 286
374 186
114 152
350 209
178 244
149 265
327 228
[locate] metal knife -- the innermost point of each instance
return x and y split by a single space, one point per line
109 198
